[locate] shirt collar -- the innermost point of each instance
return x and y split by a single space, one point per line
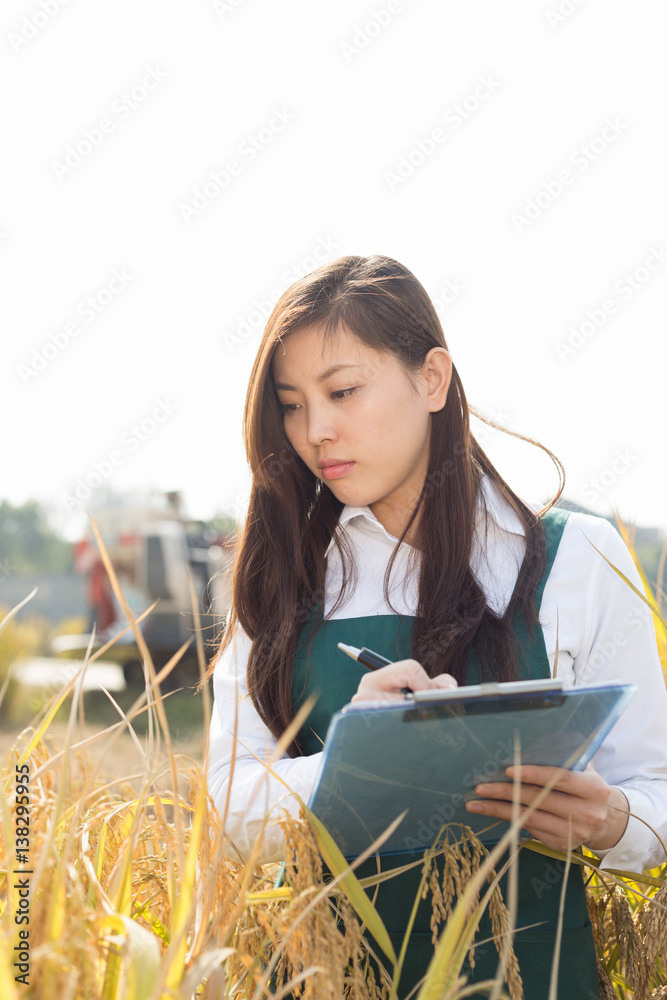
497 506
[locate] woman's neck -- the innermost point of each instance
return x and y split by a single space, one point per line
394 519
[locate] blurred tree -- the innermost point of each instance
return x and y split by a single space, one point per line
224 522
27 542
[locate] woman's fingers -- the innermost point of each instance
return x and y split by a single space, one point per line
552 830
579 799
388 681
444 681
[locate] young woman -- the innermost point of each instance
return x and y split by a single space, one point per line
376 519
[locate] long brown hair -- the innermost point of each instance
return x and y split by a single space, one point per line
279 568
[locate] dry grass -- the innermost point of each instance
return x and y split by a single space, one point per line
128 901
131 896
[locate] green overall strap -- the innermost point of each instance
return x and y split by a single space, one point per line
333 677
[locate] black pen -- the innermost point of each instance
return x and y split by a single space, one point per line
369 659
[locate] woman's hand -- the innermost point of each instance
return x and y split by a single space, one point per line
386 683
598 811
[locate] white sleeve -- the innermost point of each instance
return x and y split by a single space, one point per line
236 727
613 640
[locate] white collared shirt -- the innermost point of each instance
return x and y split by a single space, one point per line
605 634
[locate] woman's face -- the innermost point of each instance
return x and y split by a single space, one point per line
347 402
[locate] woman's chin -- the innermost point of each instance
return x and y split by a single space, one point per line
350 495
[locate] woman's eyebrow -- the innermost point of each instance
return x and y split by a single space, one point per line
323 375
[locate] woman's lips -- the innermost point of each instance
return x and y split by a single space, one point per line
336 471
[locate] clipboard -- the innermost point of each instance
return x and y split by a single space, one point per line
427 753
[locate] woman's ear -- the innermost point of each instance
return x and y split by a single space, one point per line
438 373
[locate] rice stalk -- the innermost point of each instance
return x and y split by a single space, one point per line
135 897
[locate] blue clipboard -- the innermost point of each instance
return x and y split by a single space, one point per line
427 755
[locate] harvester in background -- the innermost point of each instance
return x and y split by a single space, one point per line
152 551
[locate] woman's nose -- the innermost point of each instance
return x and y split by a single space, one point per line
320 426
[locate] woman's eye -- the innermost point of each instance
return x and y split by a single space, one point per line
338 394
342 393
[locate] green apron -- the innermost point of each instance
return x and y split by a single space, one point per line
334 677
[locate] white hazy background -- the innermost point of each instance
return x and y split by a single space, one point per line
359 88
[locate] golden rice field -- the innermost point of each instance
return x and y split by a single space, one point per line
123 890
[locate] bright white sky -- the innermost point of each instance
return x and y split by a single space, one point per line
158 95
